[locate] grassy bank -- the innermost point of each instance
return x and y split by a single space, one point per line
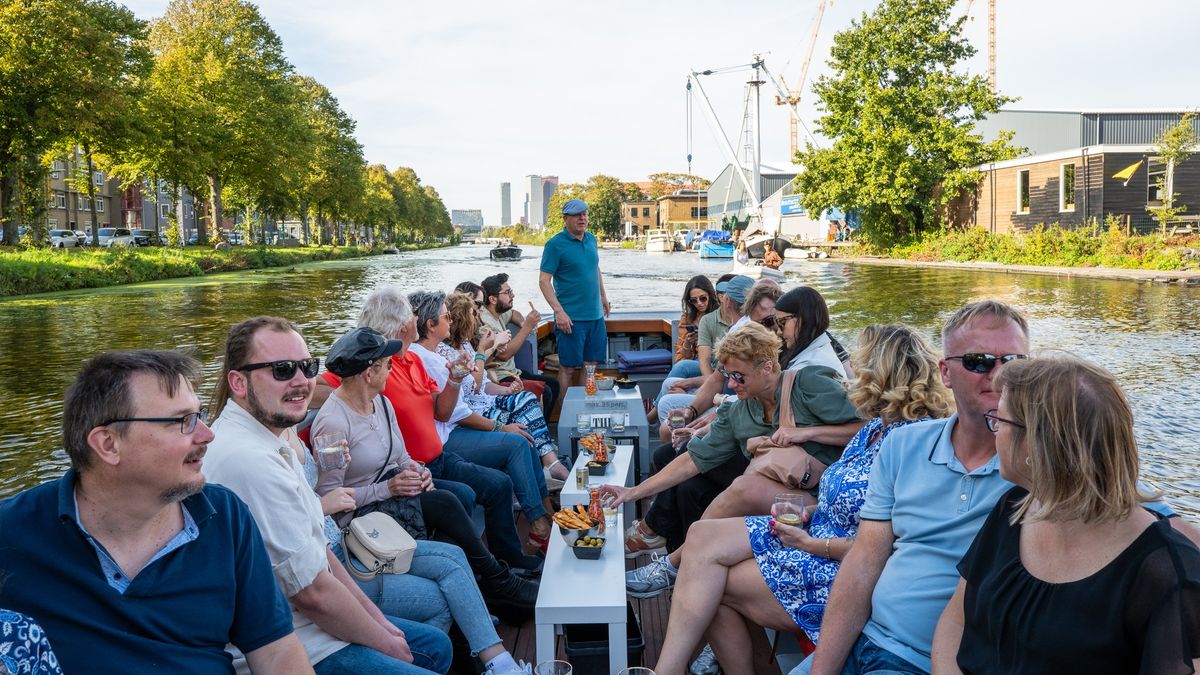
40 270
1054 246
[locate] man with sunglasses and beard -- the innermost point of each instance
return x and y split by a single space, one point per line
130 562
266 385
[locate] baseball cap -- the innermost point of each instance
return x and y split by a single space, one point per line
736 288
355 351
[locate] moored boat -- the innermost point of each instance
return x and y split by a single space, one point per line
506 250
659 241
717 250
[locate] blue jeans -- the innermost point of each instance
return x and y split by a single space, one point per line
681 370
493 491
430 649
510 453
439 589
867 658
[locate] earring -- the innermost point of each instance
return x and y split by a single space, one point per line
1028 461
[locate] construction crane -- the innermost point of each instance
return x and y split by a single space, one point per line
793 94
991 41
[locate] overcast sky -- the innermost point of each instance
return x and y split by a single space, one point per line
471 94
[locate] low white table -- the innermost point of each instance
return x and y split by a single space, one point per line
583 591
618 472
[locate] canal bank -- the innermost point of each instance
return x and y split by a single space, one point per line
1183 277
27 271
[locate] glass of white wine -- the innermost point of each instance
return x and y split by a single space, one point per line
788 509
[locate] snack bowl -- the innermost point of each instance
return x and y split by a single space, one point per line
625 383
585 552
603 383
570 536
597 468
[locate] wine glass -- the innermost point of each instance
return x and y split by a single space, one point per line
331 450
553 668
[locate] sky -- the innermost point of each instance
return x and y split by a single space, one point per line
471 94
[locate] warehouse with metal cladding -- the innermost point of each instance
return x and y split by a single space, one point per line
1080 166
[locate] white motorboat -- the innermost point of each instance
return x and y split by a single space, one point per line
659 241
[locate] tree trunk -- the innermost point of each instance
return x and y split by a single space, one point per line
8 194
91 183
179 212
322 225
216 209
304 222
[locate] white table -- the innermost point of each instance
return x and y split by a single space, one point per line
583 591
618 472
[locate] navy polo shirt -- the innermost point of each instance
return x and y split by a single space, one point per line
177 614
575 266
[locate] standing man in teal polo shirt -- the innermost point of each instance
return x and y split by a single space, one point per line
571 282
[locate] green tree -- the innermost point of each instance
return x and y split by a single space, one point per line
665 183
1173 148
334 176
564 193
604 195
223 69
66 71
901 117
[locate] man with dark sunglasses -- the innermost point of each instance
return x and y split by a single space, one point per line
130 561
266 386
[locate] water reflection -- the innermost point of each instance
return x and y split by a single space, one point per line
1146 334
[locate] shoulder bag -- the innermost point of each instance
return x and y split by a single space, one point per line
788 465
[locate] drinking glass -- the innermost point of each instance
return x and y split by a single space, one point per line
618 422
677 419
636 670
553 668
788 509
583 423
331 450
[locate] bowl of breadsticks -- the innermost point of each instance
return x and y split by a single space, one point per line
574 524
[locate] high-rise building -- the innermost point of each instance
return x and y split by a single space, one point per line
470 220
535 208
549 185
505 204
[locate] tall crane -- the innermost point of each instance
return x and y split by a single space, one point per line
793 94
991 41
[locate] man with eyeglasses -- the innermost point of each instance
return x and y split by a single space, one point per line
498 312
266 385
130 561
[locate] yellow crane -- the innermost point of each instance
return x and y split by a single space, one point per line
991 69
793 94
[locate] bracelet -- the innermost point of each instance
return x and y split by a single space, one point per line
695 413
454 384
827 546
480 356
496 425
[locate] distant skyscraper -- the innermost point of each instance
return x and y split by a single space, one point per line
470 220
549 185
505 204
536 212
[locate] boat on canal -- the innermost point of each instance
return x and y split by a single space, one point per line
506 251
659 241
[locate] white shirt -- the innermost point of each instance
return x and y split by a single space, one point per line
265 472
819 352
438 368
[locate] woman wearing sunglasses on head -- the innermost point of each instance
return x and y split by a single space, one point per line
688 485
756 569
1068 574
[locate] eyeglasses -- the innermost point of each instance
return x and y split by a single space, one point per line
993 421
984 363
740 378
286 370
478 304
698 299
767 322
509 293
781 321
187 423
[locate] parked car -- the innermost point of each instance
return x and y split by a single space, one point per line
63 239
147 238
83 237
116 236
234 238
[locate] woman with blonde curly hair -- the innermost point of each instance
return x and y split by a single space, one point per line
778 576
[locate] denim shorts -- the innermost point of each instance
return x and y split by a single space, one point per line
588 341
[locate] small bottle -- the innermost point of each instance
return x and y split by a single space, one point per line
595 511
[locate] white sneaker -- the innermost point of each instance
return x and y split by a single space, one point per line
552 484
705 663
651 579
521 669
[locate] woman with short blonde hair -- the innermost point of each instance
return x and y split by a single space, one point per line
1068 573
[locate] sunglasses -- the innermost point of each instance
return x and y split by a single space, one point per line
735 376
698 299
767 322
187 423
478 304
286 370
993 421
984 363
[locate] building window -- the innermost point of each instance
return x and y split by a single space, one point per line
1023 191
98 178
1066 187
645 211
59 200
164 210
1156 181
99 205
84 204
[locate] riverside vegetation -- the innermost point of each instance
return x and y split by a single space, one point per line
40 270
1097 245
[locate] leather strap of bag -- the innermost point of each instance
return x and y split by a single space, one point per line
786 419
387 416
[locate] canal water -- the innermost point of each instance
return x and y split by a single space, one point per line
1147 335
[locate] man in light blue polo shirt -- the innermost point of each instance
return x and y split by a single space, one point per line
931 488
571 281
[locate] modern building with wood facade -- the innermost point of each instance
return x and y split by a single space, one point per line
1083 167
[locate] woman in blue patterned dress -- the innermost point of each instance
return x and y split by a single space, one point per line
778 576
23 647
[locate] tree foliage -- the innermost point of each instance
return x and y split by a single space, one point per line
603 195
901 117
662 184
1173 148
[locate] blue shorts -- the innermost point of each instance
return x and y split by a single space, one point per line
588 341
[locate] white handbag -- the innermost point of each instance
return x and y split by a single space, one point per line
378 543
